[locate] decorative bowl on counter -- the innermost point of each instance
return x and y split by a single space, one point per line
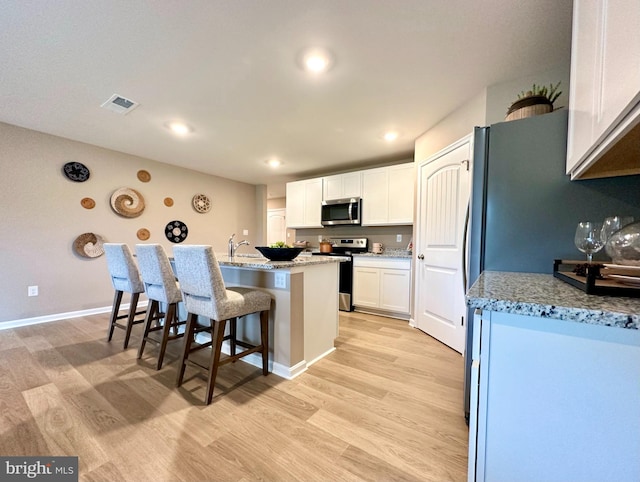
624 245
279 254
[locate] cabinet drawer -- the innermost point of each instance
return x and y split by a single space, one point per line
380 262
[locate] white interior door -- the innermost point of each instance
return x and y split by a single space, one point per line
276 226
444 183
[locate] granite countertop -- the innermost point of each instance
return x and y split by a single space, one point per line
388 253
256 261
548 297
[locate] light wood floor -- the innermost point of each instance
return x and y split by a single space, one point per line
386 405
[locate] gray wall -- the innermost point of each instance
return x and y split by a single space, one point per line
42 216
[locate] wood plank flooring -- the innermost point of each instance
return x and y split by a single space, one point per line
385 406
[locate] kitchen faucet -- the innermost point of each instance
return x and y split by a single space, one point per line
231 251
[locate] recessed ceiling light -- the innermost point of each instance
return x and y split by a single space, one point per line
390 136
179 128
316 60
273 162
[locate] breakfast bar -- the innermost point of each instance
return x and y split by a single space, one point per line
304 313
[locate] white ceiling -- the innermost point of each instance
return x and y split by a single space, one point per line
228 68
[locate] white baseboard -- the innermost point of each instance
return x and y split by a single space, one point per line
283 371
5 325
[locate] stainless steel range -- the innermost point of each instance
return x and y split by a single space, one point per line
345 247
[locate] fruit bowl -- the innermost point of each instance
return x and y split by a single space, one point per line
279 254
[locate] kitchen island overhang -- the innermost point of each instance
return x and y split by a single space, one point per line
303 322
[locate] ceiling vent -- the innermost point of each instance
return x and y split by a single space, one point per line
119 104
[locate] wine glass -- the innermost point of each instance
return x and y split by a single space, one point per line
588 238
610 226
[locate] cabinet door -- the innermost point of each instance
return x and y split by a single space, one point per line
295 204
332 187
352 184
304 200
620 62
587 16
366 287
395 289
313 203
401 188
568 387
375 197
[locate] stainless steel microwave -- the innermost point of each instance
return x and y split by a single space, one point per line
341 211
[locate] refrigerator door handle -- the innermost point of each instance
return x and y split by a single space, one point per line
464 249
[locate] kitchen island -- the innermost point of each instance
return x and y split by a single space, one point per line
303 321
555 382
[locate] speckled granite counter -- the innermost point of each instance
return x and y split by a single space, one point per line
548 297
258 262
388 253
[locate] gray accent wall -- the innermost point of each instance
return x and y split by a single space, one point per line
42 216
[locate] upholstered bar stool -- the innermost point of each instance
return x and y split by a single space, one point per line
204 294
161 287
125 278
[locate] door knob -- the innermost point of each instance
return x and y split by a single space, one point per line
421 256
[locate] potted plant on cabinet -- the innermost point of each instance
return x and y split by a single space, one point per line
539 100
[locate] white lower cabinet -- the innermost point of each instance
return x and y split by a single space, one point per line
554 400
382 284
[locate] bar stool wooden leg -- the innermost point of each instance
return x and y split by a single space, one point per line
217 336
117 299
150 316
189 335
233 326
169 321
130 319
264 340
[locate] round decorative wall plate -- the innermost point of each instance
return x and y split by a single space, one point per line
176 231
76 171
87 203
143 234
127 202
168 202
201 203
89 245
144 176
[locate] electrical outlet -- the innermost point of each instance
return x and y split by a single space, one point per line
32 291
398 238
280 280
319 238
245 232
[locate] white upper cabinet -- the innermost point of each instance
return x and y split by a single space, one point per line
605 87
304 200
342 186
387 195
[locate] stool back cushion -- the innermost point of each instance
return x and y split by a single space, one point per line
122 268
157 275
200 278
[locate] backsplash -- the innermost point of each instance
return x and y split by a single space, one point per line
387 235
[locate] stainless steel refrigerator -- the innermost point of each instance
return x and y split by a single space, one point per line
524 208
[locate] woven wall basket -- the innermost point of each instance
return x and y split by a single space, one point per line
528 107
